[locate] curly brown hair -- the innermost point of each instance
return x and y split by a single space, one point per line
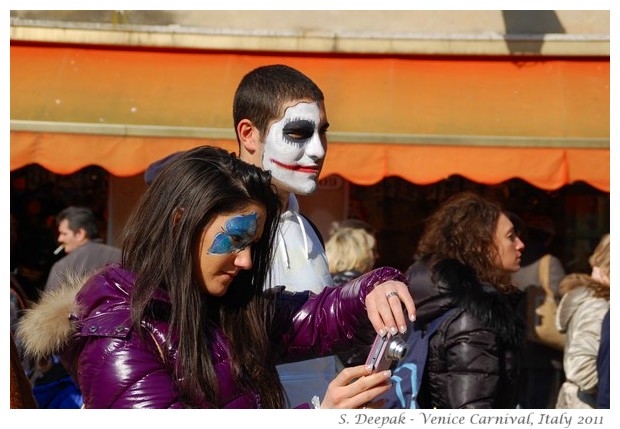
463 228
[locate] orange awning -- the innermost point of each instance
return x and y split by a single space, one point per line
422 118
546 168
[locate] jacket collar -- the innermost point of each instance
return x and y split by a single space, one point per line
453 284
46 328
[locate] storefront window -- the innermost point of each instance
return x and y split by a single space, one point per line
579 214
37 195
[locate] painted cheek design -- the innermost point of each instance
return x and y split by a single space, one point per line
236 235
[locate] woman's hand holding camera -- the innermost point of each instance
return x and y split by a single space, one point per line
356 387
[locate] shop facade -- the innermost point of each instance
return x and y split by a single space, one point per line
521 111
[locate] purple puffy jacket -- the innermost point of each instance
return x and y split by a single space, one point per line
116 368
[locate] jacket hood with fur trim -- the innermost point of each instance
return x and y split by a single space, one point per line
46 328
453 284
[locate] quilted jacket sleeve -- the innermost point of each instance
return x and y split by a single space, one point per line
117 368
583 337
124 373
333 319
472 364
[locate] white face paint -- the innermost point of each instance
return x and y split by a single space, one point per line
295 148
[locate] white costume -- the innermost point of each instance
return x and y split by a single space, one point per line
300 262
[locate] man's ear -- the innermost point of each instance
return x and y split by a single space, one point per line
249 138
81 235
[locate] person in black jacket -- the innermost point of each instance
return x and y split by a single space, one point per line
464 260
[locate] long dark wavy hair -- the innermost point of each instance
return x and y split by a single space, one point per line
161 248
463 228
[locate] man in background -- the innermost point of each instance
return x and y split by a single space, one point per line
78 235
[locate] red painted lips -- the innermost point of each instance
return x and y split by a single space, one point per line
296 167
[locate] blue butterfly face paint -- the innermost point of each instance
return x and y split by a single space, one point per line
236 235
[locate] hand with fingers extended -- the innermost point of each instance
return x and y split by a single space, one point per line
385 307
357 387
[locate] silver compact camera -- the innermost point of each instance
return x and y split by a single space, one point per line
386 350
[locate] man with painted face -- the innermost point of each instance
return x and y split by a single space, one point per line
281 124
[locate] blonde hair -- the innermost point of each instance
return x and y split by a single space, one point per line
600 258
351 248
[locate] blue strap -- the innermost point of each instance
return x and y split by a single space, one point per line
407 375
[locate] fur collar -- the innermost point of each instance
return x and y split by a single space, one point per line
494 309
46 327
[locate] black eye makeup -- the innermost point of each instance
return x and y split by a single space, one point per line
298 131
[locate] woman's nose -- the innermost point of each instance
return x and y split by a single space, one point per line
520 244
243 259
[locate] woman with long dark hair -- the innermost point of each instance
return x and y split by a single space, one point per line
187 320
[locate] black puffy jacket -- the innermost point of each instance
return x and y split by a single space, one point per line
474 356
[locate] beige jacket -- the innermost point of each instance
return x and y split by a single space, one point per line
580 315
